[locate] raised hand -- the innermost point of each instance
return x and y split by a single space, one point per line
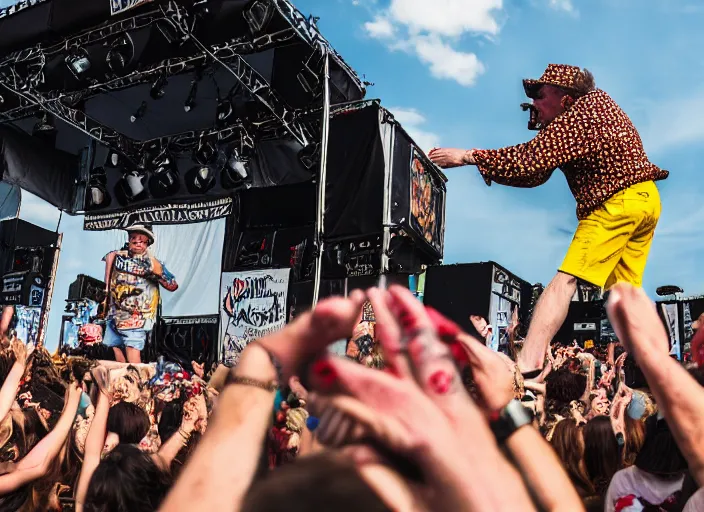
493 377
449 157
19 349
636 321
198 369
418 408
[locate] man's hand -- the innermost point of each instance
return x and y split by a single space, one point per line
20 351
448 157
493 377
636 321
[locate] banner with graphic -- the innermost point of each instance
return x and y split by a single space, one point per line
672 321
253 306
120 6
187 213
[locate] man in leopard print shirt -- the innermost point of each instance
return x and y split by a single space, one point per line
587 135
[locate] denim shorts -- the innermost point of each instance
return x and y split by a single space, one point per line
133 338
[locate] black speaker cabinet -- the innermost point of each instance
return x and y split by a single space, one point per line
300 294
185 339
583 323
380 183
26 247
261 248
485 289
86 287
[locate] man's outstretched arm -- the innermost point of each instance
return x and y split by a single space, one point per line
569 137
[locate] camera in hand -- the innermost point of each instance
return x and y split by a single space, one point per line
534 121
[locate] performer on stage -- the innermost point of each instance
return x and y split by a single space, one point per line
587 135
132 279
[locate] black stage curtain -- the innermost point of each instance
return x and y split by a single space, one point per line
355 175
45 172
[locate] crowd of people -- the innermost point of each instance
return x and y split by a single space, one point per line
418 416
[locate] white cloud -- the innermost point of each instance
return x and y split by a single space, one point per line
431 30
39 212
450 18
380 28
446 62
563 5
413 121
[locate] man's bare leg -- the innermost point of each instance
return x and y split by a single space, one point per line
119 356
549 315
134 356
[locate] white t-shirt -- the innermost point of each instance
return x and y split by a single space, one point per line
696 502
633 481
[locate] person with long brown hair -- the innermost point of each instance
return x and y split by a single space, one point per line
568 443
602 457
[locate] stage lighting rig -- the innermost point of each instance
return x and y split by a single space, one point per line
44 126
200 179
121 54
258 15
190 102
191 98
130 188
164 181
78 62
235 172
158 87
97 194
139 114
224 112
205 152
44 130
113 159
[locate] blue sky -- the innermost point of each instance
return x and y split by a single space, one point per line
451 71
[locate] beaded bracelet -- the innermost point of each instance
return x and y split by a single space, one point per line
246 381
275 362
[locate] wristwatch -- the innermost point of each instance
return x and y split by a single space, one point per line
509 419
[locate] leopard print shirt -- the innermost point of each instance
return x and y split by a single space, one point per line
595 145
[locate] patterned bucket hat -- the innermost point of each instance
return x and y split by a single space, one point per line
560 75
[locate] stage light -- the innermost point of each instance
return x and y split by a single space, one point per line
97 195
164 181
45 130
139 114
235 172
191 99
200 179
77 61
44 125
310 155
131 188
223 112
157 91
121 53
258 15
113 159
205 152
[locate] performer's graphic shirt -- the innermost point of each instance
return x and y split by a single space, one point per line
134 290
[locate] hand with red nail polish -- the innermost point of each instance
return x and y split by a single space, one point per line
446 328
493 376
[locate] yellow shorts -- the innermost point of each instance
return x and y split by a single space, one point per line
612 244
